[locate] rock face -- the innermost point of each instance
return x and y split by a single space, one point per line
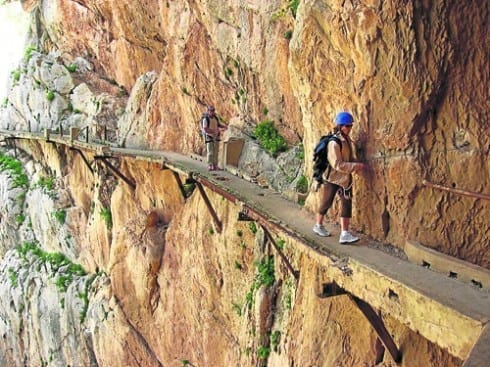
157 285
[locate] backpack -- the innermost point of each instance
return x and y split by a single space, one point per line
204 122
320 161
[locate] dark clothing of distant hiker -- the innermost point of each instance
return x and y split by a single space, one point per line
211 128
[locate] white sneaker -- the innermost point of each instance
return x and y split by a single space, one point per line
347 237
320 230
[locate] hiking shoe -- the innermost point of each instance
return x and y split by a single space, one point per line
320 230
347 237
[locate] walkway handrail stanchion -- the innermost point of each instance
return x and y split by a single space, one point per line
86 134
105 133
29 125
61 130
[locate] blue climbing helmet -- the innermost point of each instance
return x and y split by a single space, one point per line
344 118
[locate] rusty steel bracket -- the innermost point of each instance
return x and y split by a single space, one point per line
118 173
179 183
217 222
294 273
331 290
243 217
83 158
11 144
378 325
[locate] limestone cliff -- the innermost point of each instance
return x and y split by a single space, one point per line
94 273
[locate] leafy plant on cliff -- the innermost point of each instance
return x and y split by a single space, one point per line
302 185
71 68
275 338
20 218
107 216
84 296
50 95
269 137
265 274
293 6
47 185
14 277
16 75
59 264
264 277
15 170
288 295
263 352
60 216
28 52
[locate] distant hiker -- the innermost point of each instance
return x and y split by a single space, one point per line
211 128
338 179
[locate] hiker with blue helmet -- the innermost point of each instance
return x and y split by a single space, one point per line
211 128
338 179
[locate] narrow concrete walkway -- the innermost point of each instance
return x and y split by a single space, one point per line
446 311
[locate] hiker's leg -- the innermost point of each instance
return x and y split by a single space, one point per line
326 199
344 223
209 152
215 154
319 218
346 209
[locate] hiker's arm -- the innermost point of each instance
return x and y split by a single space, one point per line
222 126
336 161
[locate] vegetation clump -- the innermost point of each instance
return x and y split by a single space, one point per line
107 216
264 277
59 263
15 169
269 137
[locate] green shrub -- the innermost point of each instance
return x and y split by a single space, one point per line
60 216
265 274
275 337
56 260
269 137
14 277
49 95
288 34
263 352
46 183
253 227
28 52
302 185
15 169
16 75
107 216
20 218
293 6
71 68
